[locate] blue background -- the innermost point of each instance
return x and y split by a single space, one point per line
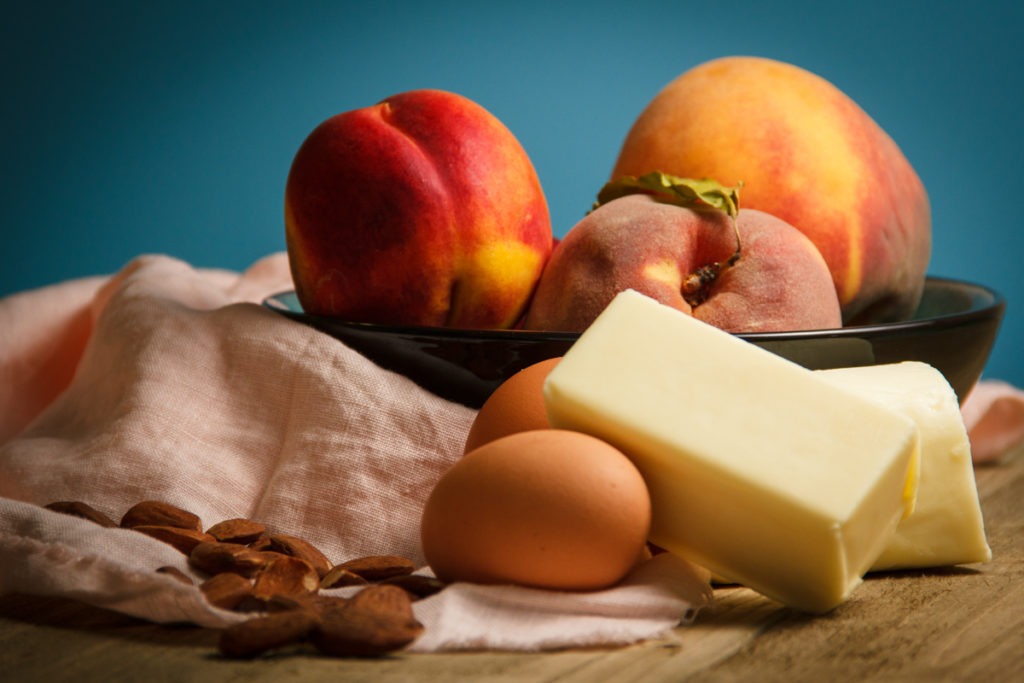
169 127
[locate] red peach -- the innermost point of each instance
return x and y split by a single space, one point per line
423 209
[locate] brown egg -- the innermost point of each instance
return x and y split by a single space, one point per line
517 405
545 508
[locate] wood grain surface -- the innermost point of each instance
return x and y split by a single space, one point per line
953 624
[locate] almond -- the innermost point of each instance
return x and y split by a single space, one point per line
339 577
417 585
226 590
237 530
261 543
281 575
77 508
258 635
378 620
315 602
297 547
158 513
214 557
379 567
285 575
384 600
182 539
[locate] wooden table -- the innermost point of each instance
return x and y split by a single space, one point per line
962 624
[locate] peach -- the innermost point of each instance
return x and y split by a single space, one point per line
806 153
779 282
423 209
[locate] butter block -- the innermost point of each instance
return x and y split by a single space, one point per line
946 527
758 469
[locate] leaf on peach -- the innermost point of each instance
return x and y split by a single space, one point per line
686 192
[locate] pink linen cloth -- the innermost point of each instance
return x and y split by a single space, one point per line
994 415
171 383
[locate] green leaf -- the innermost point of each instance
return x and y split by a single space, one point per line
685 192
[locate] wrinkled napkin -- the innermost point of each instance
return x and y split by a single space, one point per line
172 383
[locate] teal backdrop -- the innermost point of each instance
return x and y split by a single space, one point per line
168 127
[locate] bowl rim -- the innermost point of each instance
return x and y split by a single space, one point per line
994 302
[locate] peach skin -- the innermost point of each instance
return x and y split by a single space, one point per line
778 282
423 209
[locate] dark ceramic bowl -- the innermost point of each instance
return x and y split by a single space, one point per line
954 329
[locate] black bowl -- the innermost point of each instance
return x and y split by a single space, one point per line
953 329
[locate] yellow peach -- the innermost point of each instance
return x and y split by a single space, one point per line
806 153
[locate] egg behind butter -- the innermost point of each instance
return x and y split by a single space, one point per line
545 508
517 405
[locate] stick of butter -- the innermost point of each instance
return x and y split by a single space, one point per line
758 469
946 526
